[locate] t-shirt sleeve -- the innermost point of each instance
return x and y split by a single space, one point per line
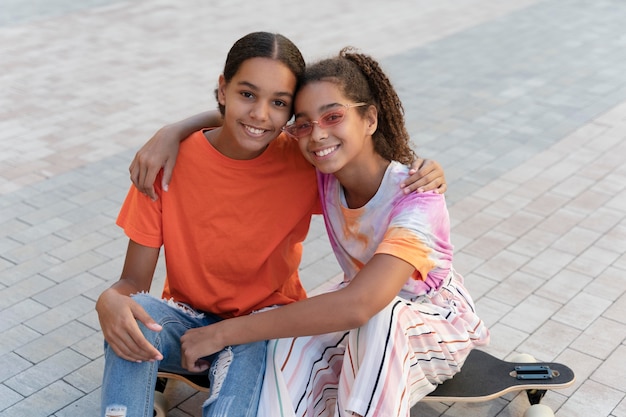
419 233
140 217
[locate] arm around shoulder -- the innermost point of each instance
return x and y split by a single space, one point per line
161 150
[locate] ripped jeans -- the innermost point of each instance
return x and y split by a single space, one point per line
130 386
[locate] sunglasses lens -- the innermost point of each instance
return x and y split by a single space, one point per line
332 117
302 129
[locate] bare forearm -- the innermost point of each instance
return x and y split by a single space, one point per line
322 314
182 129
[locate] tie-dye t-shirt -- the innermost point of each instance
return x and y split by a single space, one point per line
413 227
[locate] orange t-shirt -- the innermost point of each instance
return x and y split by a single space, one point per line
232 230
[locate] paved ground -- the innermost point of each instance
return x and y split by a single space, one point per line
522 101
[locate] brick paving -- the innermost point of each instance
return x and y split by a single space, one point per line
523 102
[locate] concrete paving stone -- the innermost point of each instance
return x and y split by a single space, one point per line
611 371
75 229
477 225
33 233
504 339
582 310
8 397
488 245
508 205
91 346
83 406
531 313
564 286
49 211
601 338
115 248
602 220
19 313
15 273
549 340
34 249
315 250
502 265
90 318
609 285
518 223
87 378
467 264
592 200
23 289
593 261
315 275
11 227
429 409
53 342
69 268
579 404
479 286
108 270
582 363
45 373
56 317
620 410
614 239
16 336
12 364
548 263
576 241
79 246
546 205
67 290
44 402
514 289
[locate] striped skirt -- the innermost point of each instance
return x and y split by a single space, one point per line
381 369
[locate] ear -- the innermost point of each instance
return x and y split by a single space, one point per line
371 116
221 93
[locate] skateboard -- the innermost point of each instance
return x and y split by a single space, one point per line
485 377
199 382
482 378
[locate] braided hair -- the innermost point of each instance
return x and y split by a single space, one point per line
361 79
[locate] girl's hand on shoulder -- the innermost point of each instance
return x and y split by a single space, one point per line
425 175
118 315
158 153
197 344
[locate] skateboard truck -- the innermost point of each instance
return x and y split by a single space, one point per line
533 372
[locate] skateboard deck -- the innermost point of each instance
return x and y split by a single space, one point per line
482 378
200 382
485 377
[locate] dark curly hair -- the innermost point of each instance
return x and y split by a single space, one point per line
361 79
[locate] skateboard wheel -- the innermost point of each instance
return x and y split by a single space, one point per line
523 358
161 404
539 410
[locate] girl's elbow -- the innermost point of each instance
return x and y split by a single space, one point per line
358 317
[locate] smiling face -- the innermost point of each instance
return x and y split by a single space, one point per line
257 103
344 145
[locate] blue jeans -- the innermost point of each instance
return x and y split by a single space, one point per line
131 385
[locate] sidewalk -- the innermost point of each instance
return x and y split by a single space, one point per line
522 101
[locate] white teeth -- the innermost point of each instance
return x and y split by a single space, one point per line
325 152
254 131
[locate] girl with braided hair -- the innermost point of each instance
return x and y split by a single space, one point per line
401 321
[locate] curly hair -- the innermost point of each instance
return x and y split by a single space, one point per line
361 79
